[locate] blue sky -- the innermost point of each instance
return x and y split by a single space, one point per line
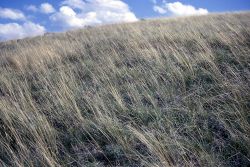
23 18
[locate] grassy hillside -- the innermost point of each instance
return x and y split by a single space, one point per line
166 92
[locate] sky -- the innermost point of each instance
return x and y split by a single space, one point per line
27 18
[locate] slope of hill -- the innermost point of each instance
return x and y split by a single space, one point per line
166 92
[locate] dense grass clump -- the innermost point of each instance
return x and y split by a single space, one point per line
166 92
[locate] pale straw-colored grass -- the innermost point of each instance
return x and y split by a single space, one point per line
160 92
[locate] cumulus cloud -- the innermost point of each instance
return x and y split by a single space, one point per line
71 14
159 9
46 8
12 14
15 30
92 12
179 9
67 17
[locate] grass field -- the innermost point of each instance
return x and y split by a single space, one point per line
163 92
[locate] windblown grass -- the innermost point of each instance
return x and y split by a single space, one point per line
166 92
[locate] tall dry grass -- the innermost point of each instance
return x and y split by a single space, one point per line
166 92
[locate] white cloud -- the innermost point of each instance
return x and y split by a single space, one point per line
15 30
179 9
13 14
71 14
159 9
32 8
92 12
44 8
68 18
47 8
